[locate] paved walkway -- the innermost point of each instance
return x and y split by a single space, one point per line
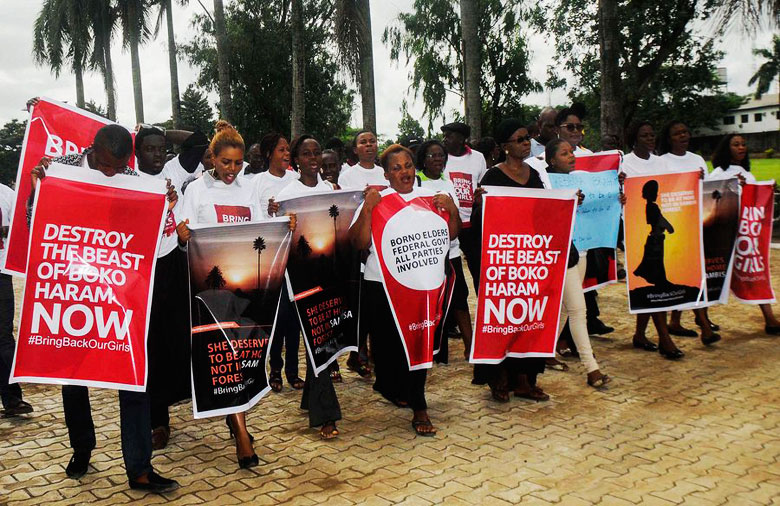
704 430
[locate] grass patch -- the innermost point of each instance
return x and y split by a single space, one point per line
764 168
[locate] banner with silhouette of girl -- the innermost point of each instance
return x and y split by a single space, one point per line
720 208
751 281
324 273
236 276
663 239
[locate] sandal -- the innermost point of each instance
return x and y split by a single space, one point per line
297 383
329 431
599 382
359 367
536 394
400 403
556 365
568 353
335 376
275 380
417 425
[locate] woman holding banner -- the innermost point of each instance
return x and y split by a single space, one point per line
641 161
220 196
394 379
731 159
673 147
560 159
319 397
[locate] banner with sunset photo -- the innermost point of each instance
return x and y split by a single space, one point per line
236 276
324 273
663 239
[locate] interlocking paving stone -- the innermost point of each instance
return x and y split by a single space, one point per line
704 430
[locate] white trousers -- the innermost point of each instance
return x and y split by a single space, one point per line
574 307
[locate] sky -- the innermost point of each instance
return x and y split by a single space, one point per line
21 79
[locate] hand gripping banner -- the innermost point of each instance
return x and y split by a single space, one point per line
720 208
88 292
526 235
54 129
663 238
412 242
751 281
324 272
236 276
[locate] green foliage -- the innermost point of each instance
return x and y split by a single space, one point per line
11 137
429 38
196 111
408 126
261 68
769 71
95 108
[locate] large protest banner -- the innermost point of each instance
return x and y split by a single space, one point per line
720 208
526 235
324 272
663 239
87 295
751 281
236 276
54 129
412 241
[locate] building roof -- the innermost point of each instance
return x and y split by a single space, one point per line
766 100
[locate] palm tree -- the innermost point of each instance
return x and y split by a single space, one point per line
133 17
298 69
62 35
769 70
215 280
259 246
469 20
166 8
353 37
225 100
103 22
333 212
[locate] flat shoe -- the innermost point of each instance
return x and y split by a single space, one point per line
671 355
647 346
714 338
682 332
772 330
600 382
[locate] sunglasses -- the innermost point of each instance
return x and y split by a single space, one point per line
573 127
520 140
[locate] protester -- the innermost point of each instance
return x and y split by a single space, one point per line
366 172
394 380
432 157
337 145
109 154
560 159
13 403
220 196
330 170
319 397
489 149
546 125
673 147
641 161
188 165
517 374
465 168
275 151
731 159
255 161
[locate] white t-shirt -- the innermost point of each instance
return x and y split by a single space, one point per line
267 187
7 197
634 166
169 239
344 166
443 185
296 189
731 171
175 172
688 161
357 178
465 172
209 200
372 271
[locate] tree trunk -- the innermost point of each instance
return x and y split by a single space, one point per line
175 101
79 86
298 70
135 62
471 66
108 79
611 91
367 94
225 101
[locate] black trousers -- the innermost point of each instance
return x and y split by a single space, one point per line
11 394
470 246
394 380
319 397
134 420
287 333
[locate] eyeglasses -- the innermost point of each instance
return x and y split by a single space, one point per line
520 140
573 127
435 156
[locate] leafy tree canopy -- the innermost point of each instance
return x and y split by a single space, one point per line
11 137
196 111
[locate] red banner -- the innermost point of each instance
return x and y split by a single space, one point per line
526 235
87 294
751 282
598 162
412 242
54 129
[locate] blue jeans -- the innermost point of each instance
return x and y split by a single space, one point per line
134 419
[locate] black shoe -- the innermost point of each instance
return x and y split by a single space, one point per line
19 407
671 355
621 274
772 330
683 332
713 326
597 327
156 484
647 346
247 462
77 467
714 338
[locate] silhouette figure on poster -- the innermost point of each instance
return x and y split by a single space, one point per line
652 267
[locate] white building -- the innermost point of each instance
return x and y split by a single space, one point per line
758 120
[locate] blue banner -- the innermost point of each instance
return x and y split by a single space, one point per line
598 218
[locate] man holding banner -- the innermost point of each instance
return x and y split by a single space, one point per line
117 280
407 231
